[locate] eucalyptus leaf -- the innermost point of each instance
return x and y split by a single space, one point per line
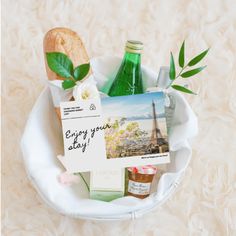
198 58
190 73
181 55
60 64
81 71
172 67
182 89
68 83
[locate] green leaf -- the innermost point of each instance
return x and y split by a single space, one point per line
181 55
81 71
190 73
68 83
172 67
60 64
198 58
182 89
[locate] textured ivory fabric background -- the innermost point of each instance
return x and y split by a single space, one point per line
205 203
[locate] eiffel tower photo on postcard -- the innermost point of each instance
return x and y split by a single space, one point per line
138 125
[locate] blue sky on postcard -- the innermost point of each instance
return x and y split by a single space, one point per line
134 105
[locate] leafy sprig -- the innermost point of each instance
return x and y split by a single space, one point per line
183 72
61 64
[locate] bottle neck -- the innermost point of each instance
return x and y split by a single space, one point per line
133 57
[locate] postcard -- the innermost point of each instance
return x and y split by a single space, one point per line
115 132
138 125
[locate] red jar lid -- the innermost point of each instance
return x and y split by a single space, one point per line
148 170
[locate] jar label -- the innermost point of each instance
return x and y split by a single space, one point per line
139 188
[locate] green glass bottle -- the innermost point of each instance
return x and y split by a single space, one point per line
128 80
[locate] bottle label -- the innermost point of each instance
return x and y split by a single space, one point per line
139 188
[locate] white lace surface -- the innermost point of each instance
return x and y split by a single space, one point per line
205 201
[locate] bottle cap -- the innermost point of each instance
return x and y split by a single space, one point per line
134 46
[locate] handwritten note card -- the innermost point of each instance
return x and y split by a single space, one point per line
83 133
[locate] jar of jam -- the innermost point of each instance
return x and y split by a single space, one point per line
140 180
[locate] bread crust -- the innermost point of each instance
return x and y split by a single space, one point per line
66 41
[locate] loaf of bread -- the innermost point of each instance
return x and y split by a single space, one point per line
68 42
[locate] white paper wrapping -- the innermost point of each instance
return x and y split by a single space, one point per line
42 142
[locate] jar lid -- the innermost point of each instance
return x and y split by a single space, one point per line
147 170
134 46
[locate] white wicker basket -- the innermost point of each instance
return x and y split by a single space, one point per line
42 141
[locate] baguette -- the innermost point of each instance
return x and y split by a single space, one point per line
68 42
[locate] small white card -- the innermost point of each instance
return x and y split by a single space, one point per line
115 132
